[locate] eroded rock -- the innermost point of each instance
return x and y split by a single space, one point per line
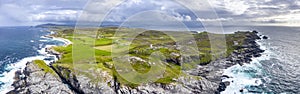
35 80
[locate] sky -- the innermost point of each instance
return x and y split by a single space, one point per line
229 12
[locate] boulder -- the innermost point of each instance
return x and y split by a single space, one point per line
254 31
265 37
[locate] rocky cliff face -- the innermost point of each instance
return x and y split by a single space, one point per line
214 70
183 85
35 80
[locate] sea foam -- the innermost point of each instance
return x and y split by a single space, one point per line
243 76
8 77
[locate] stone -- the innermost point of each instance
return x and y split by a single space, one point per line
265 37
38 81
254 31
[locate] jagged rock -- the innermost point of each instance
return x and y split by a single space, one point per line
38 81
223 86
89 87
225 76
265 37
53 52
254 31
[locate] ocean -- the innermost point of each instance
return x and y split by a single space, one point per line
276 71
19 45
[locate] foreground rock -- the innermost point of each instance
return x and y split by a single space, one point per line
183 85
34 80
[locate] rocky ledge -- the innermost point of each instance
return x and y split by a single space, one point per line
242 55
34 80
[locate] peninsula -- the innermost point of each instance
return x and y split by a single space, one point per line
201 76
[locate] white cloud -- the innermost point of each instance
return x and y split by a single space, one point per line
212 20
237 7
188 18
287 20
182 18
56 15
137 1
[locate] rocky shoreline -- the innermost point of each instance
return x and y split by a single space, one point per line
243 55
34 80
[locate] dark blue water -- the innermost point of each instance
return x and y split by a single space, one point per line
277 71
17 43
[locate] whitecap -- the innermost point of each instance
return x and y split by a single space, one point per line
43 40
8 77
65 41
239 79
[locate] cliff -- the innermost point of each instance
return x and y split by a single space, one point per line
205 79
35 79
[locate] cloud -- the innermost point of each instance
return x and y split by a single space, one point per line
218 19
32 12
258 12
131 8
24 12
237 7
17 15
55 15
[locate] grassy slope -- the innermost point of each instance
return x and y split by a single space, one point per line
140 48
41 64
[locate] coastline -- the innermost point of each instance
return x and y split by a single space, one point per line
48 51
66 41
9 76
214 71
20 66
210 74
238 82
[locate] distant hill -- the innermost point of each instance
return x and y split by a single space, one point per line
51 25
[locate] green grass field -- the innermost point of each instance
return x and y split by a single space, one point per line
105 43
41 64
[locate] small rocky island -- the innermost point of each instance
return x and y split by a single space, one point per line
202 78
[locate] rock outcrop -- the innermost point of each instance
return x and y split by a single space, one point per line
265 37
214 70
34 80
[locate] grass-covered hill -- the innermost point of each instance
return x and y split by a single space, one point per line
106 41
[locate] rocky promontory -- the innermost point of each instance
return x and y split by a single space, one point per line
204 79
35 80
